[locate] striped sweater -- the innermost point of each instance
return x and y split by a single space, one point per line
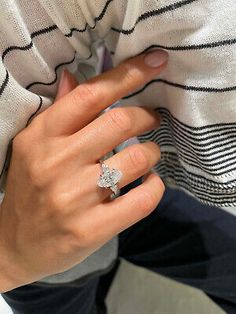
196 94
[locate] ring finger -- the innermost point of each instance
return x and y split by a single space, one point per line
134 162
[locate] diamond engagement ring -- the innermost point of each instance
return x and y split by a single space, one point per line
109 178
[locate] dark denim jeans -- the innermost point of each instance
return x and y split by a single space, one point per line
182 239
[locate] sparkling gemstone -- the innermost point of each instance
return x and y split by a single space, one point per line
109 178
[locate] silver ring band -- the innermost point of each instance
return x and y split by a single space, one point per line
109 178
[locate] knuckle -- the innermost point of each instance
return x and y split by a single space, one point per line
158 153
154 150
138 158
38 172
148 203
82 238
150 197
35 173
19 142
86 92
57 202
132 74
120 119
161 185
25 142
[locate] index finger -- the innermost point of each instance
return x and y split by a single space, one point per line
84 103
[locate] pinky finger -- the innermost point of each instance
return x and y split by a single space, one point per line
130 208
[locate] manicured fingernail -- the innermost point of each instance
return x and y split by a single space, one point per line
156 58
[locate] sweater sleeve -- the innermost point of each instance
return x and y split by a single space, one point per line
195 94
35 46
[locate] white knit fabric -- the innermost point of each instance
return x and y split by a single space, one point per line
195 95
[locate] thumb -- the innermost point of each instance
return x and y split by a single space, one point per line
67 83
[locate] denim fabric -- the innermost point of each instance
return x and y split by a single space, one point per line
182 239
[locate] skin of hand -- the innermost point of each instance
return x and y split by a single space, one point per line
53 214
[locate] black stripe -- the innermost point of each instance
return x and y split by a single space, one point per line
198 88
185 87
165 143
196 140
174 127
212 199
44 31
56 76
184 150
27 47
6 158
4 166
208 183
167 130
193 182
33 114
30 45
228 194
222 43
198 143
227 42
98 18
12 48
185 147
227 151
150 14
223 164
199 151
212 153
213 172
217 127
30 85
4 84
215 197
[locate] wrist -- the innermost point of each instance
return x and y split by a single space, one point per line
7 281
8 270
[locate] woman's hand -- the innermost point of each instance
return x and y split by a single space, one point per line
54 215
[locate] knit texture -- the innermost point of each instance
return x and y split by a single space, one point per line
195 94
